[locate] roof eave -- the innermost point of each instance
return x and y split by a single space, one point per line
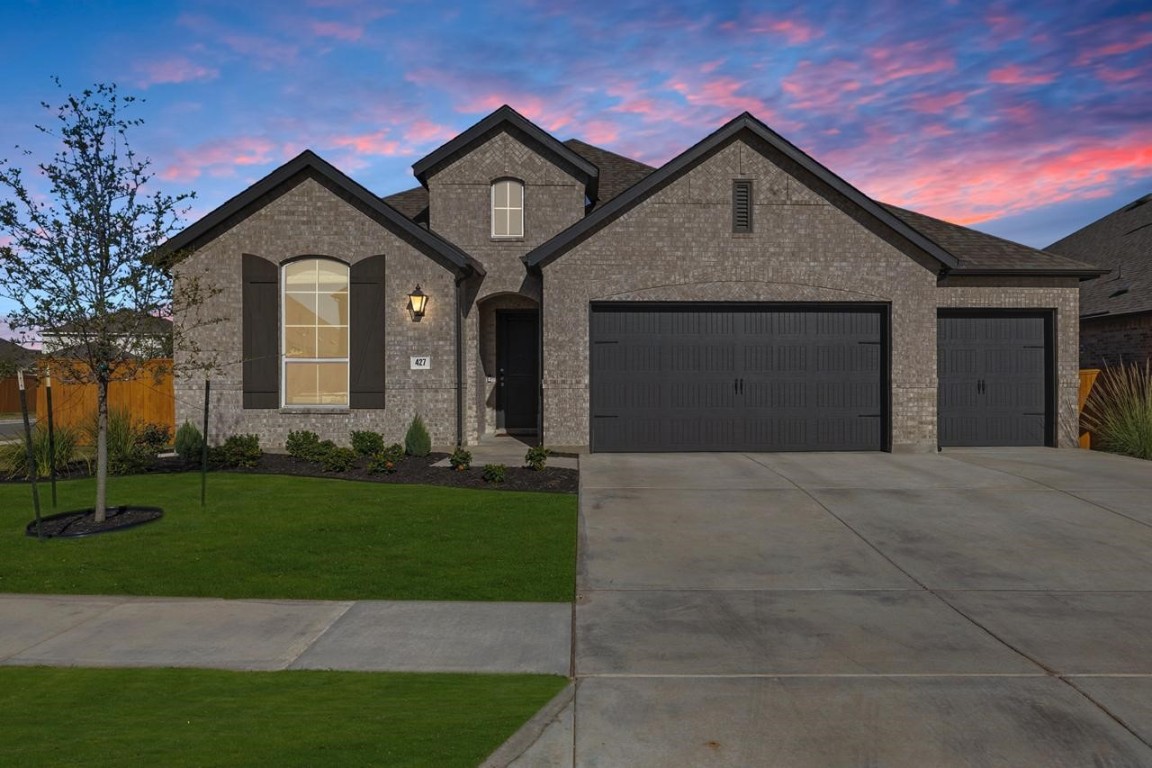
1079 272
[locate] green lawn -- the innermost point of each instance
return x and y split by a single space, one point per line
267 536
202 718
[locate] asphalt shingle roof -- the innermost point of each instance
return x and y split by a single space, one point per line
12 353
1122 243
980 251
617 172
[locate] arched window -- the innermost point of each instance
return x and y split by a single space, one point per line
507 208
315 337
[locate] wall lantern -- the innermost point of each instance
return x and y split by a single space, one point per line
417 301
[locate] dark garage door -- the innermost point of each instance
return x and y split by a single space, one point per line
714 377
994 384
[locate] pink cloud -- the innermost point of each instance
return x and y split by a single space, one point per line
722 92
1117 48
1115 76
337 30
794 31
1015 75
376 143
600 132
936 103
913 59
175 69
219 158
422 131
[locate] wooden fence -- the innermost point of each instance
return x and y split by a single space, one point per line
1087 381
150 398
10 393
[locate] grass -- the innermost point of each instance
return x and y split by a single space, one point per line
201 718
1119 410
267 536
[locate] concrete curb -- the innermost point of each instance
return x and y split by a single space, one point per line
519 742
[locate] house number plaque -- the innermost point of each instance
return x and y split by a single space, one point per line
421 363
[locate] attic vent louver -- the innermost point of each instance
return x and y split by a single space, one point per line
742 205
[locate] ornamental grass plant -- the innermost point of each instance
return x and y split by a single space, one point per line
1119 410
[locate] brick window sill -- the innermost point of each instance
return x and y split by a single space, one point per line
316 411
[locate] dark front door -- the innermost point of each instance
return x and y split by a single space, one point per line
518 374
760 377
994 375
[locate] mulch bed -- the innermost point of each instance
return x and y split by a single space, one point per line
414 470
82 522
411 470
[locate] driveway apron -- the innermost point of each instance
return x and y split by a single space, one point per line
971 608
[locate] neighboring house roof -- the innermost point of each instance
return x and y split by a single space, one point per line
13 354
974 249
1120 243
507 119
979 253
413 203
308 163
121 321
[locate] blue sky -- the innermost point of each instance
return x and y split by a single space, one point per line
1024 119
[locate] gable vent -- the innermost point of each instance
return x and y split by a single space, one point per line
742 205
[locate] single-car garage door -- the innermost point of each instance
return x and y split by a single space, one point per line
995 374
734 377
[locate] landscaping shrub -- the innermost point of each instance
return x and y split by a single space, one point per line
303 444
127 450
337 459
494 473
189 443
537 457
242 451
155 437
14 459
367 443
417 441
387 459
460 459
1119 410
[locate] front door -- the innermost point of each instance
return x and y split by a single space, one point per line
518 370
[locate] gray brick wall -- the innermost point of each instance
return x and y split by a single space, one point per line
1115 340
311 220
678 246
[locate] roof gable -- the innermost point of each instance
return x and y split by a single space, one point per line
681 164
310 165
507 119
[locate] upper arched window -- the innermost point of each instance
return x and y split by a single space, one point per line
507 208
315 333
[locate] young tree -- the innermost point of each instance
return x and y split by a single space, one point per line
79 249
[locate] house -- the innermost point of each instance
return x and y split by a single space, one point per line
740 297
13 356
1115 308
134 334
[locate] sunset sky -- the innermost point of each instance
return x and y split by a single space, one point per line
1024 119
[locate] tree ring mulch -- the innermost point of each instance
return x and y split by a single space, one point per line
81 522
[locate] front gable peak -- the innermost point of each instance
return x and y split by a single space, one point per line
507 119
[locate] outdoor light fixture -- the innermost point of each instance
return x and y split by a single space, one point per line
417 301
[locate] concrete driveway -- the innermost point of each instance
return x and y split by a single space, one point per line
972 608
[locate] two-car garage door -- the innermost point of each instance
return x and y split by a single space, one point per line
724 377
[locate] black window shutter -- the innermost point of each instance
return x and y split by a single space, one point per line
742 205
261 332
366 351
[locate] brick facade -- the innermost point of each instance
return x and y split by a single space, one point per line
1115 340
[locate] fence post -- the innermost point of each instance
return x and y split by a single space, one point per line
30 452
51 432
204 447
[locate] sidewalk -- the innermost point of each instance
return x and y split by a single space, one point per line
368 635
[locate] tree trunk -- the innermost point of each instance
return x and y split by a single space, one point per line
101 448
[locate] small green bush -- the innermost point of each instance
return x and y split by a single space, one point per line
14 456
241 451
189 443
460 459
337 459
1119 410
303 444
128 449
367 443
417 441
154 437
494 473
387 459
537 457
